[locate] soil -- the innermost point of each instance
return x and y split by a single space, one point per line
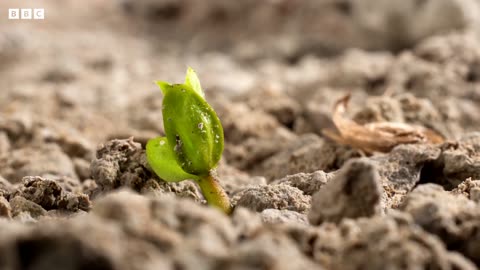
77 106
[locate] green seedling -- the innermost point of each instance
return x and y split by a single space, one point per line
193 144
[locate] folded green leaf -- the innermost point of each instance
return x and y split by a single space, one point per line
162 160
192 127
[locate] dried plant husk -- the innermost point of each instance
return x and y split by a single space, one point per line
377 136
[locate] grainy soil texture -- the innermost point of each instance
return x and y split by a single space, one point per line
352 135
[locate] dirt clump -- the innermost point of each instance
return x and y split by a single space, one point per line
123 164
281 197
43 160
461 160
354 192
338 247
451 217
309 183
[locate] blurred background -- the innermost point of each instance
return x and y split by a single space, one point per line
272 70
88 67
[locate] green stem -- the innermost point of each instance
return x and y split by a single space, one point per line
214 193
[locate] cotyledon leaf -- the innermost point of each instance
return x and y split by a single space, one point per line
192 127
163 162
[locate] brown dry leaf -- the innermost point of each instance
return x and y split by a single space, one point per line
378 136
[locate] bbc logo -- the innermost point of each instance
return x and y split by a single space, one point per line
26 13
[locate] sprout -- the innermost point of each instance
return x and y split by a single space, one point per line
194 138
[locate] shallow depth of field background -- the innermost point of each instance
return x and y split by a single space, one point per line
77 85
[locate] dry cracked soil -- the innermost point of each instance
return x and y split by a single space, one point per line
77 106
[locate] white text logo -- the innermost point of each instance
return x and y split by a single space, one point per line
26 13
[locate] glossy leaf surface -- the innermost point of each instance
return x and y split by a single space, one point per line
162 160
192 127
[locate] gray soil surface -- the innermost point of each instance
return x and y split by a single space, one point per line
77 106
